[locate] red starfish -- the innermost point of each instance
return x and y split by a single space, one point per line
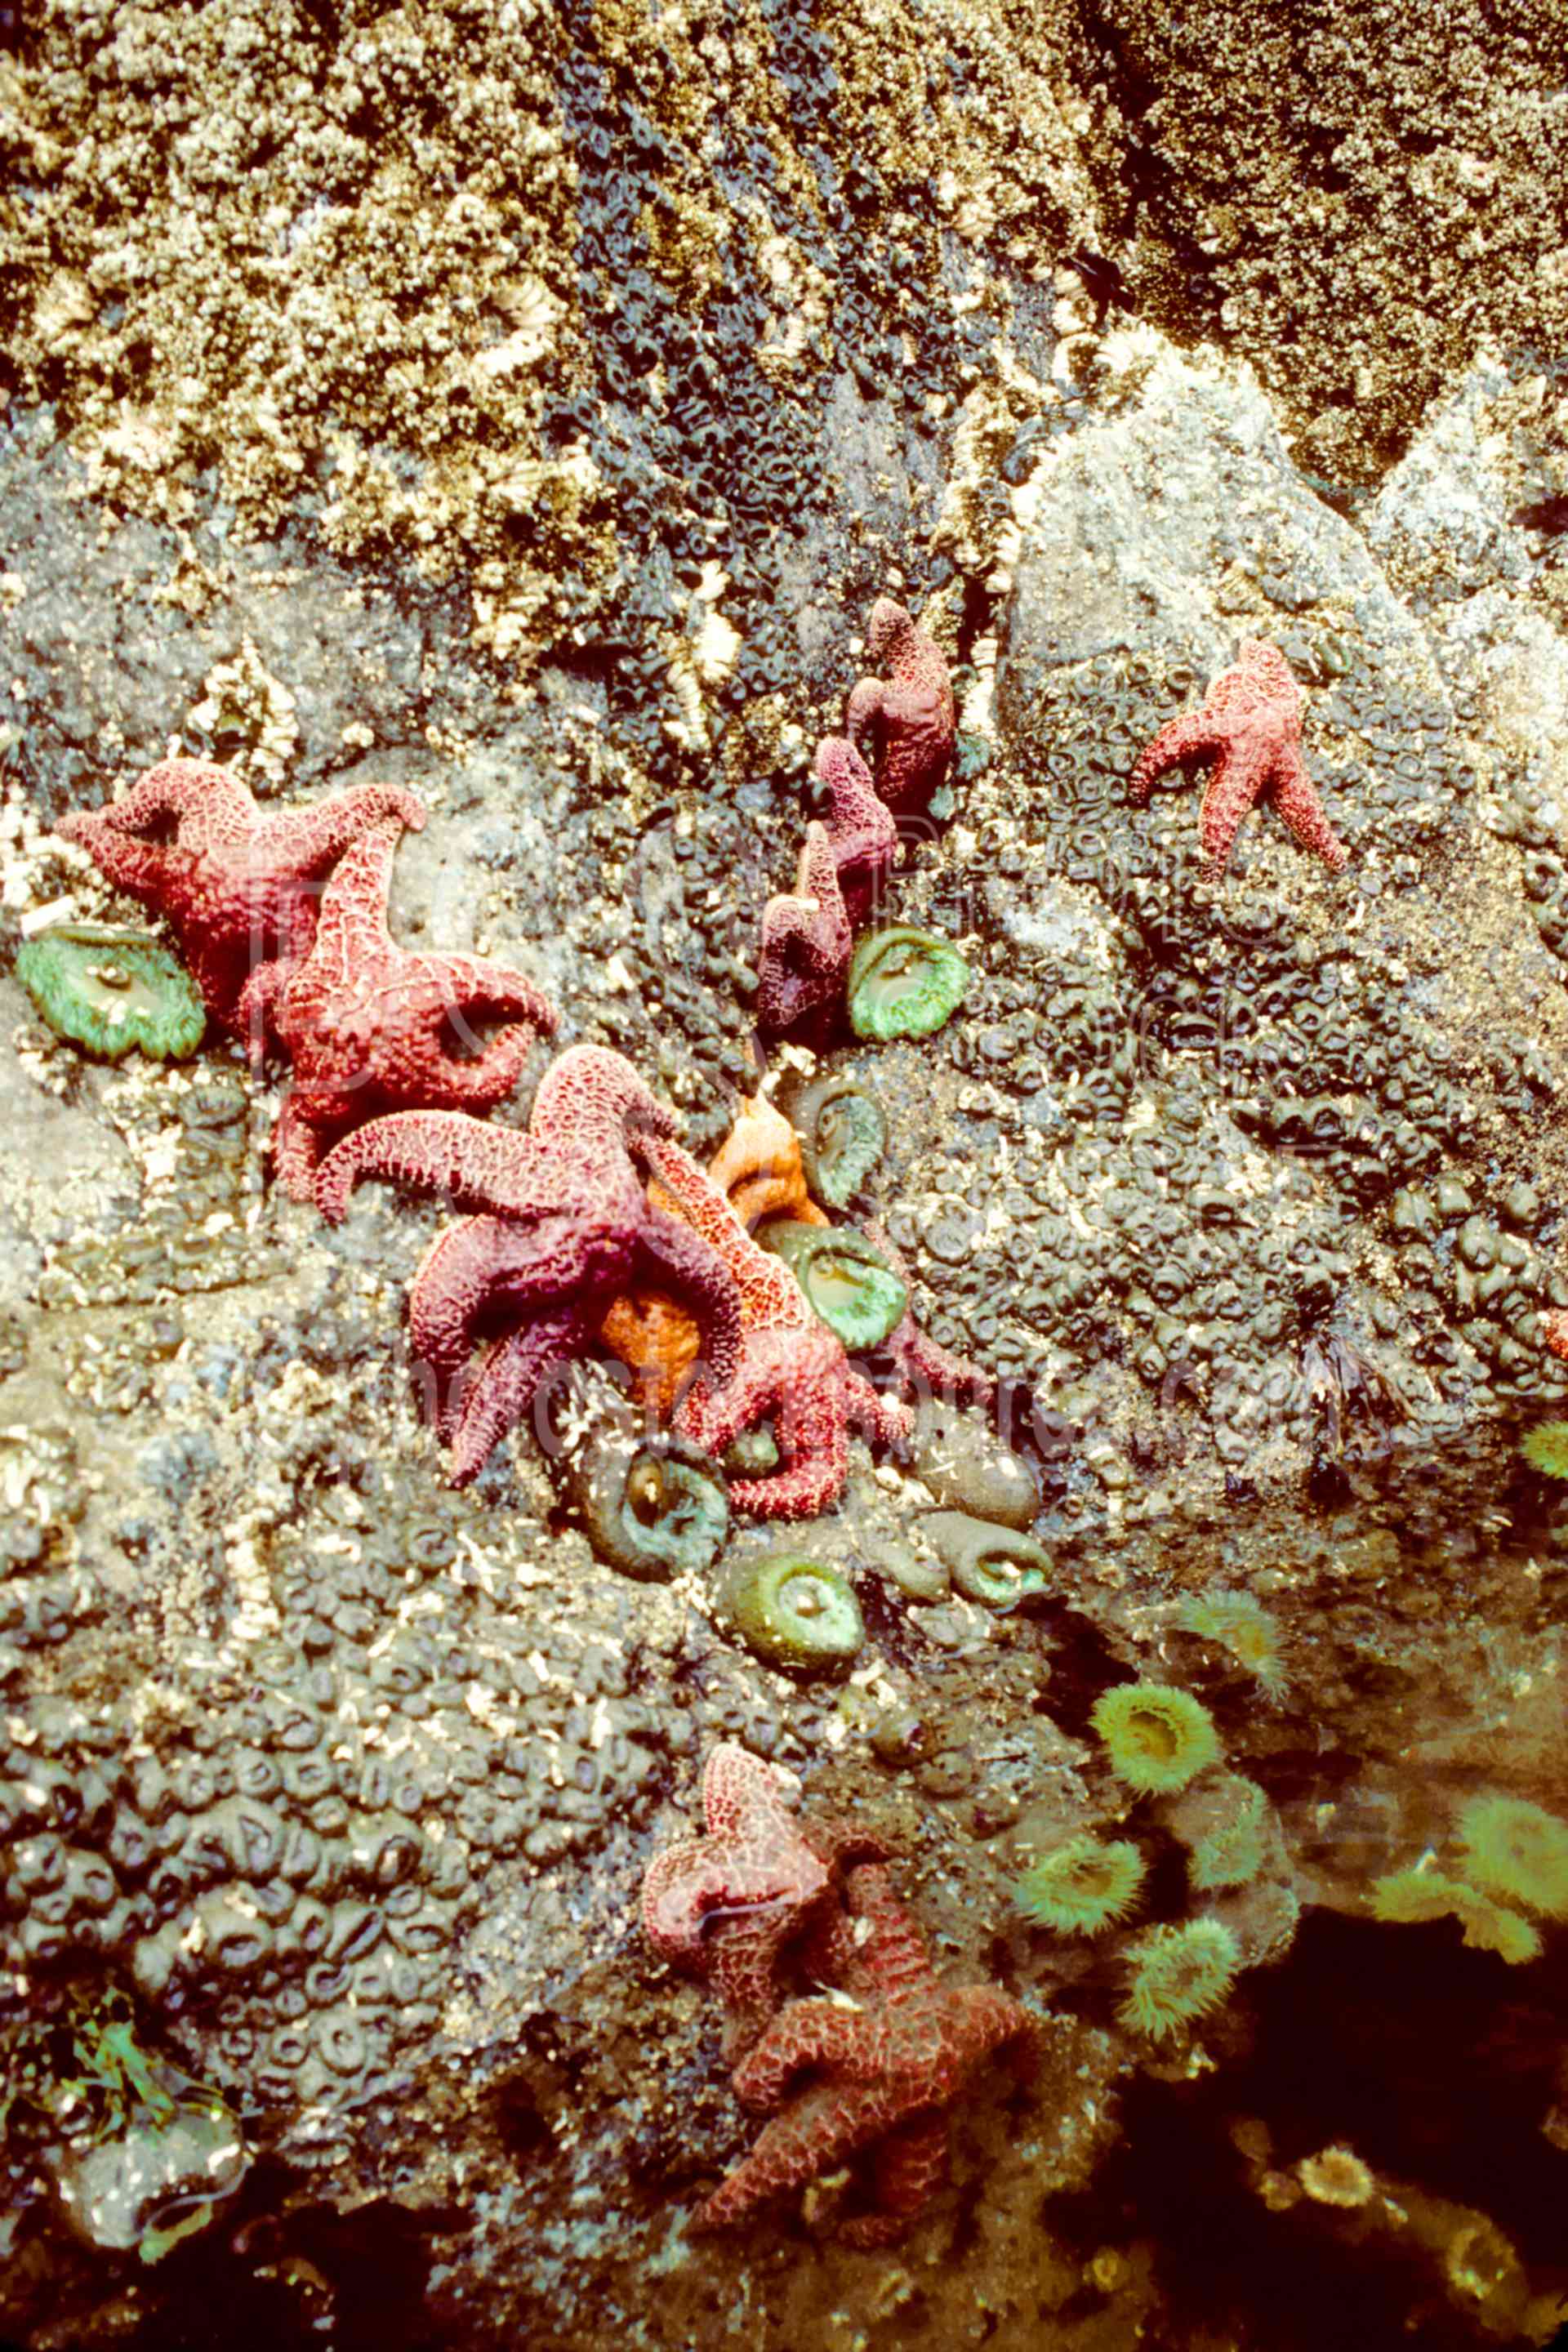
725 1905
806 944
236 885
1555 1331
888 2063
792 1367
1249 725
860 826
371 1027
910 722
564 1224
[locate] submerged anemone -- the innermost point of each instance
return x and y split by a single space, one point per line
1231 1853
843 1134
994 1566
1336 2175
1240 1625
1412 1897
1545 1448
904 983
1083 1886
793 1610
1177 1974
652 1505
1515 1849
109 989
845 1278
1157 1738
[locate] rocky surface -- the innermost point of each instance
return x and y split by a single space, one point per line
1252 1194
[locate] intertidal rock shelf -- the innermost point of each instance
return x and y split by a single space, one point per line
1211 1717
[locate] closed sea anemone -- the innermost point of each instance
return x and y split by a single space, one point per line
1545 1448
1178 1974
904 983
1231 1853
1082 1887
843 1134
1157 1738
1240 1625
1336 2175
1515 1849
994 1566
653 1504
1411 1898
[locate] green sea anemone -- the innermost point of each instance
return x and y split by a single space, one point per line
109 989
1157 1738
994 1566
1231 1853
843 1134
1515 1849
652 1506
793 1610
845 1277
1177 1974
904 983
1240 1625
1412 1897
1545 1448
1082 1888
752 1454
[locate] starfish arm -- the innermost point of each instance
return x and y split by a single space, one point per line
476 1086
1295 796
253 1011
863 710
494 992
504 1383
701 1204
676 1258
352 925
296 1148
805 2033
807 939
142 868
816 2133
178 789
1232 787
1179 740
811 1479
911 2167
473 1166
880 1420
311 839
591 1098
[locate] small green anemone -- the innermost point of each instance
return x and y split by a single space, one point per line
845 1278
109 989
752 1454
1515 1849
652 1506
1157 1738
1545 1448
1177 1974
1231 1853
904 983
1412 1897
1241 1624
994 1566
843 1134
1083 1886
793 1610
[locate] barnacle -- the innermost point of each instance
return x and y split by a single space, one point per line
904 983
843 1134
1515 1849
109 989
1241 1624
1545 1448
793 1610
1082 1887
1231 1853
845 1279
653 1504
1157 1738
1407 1897
1177 1974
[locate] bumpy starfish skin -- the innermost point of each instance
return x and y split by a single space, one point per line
806 944
792 1368
1249 726
1555 1331
905 723
369 1027
758 1167
860 826
725 1906
562 1222
236 885
888 2066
